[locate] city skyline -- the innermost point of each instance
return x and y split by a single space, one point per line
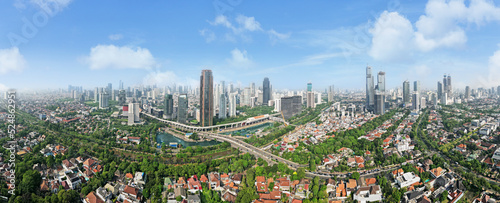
50 48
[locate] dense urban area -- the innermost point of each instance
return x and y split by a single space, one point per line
228 143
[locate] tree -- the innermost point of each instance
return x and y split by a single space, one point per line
31 182
355 175
178 198
312 165
444 195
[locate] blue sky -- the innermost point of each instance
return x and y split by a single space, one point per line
55 43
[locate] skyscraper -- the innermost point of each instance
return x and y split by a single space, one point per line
133 113
416 86
467 92
416 101
182 108
222 106
266 92
121 97
206 98
448 83
109 88
370 89
232 104
310 96
330 93
96 94
445 84
168 110
406 91
103 100
439 91
291 106
380 94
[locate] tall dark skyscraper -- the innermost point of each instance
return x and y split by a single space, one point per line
380 94
467 92
169 106
445 84
266 91
439 90
370 89
448 83
416 86
206 98
406 91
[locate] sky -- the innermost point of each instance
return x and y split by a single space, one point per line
50 44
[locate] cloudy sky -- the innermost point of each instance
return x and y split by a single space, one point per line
56 43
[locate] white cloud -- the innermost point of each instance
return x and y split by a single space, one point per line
494 70
111 56
392 37
11 60
248 23
239 59
275 36
208 34
240 27
442 24
115 37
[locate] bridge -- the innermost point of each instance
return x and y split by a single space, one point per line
240 124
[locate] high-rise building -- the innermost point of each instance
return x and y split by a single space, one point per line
467 92
266 91
291 106
103 100
182 108
246 97
439 90
380 94
381 81
416 86
222 106
109 88
232 104
370 89
330 93
121 97
254 91
416 101
133 113
406 92
96 94
448 83
310 97
168 109
121 85
423 102
206 98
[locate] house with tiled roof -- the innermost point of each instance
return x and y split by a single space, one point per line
341 191
436 172
93 198
368 194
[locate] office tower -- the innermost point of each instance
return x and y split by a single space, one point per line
206 98
231 88
133 113
380 94
467 92
423 102
448 83
182 108
381 81
96 94
222 106
109 88
266 92
445 85
330 93
310 96
416 101
252 87
416 86
121 85
245 101
216 98
277 105
103 100
168 110
370 89
406 91
121 97
440 90
318 98
498 90
291 106
232 104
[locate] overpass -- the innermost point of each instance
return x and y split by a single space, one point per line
248 121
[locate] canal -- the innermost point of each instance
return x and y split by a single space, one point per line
168 138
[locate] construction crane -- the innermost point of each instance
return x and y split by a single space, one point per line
284 119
